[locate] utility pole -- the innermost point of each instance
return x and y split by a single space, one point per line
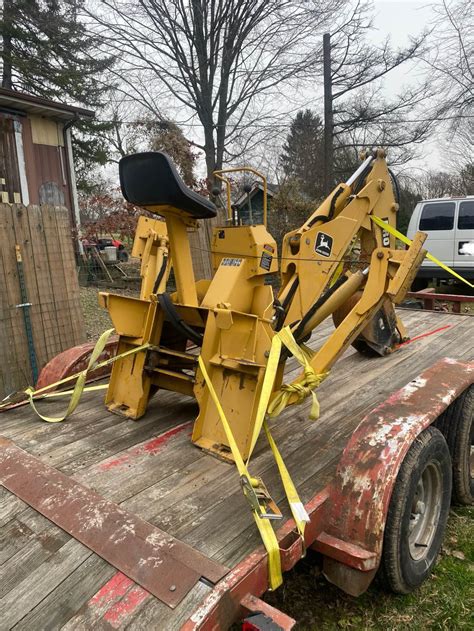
328 117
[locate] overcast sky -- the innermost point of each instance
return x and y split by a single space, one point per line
399 19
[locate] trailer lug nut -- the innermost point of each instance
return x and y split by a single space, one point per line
420 507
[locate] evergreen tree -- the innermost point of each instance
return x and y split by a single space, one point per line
302 153
46 50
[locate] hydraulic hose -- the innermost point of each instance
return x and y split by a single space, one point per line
177 321
161 273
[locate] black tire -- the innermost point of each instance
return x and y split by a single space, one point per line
417 514
457 425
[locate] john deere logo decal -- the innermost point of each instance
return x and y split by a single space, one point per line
323 245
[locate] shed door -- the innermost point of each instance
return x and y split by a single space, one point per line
9 171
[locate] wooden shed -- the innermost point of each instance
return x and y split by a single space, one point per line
40 311
36 164
253 202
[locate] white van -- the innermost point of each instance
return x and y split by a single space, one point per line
449 224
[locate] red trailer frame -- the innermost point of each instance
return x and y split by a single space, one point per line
429 296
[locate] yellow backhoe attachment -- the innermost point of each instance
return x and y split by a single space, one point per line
230 320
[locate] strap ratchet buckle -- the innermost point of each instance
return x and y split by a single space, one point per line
259 498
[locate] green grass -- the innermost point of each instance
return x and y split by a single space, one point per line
444 602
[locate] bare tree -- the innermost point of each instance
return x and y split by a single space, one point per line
450 64
433 183
129 131
363 115
219 60
451 60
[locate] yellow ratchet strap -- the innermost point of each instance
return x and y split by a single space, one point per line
302 389
64 393
297 508
264 526
298 511
393 231
80 377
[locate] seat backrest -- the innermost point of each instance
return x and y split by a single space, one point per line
150 179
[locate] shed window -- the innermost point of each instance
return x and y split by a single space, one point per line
437 216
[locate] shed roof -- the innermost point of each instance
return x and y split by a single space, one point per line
272 189
19 101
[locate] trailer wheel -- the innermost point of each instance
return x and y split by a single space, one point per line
457 425
417 514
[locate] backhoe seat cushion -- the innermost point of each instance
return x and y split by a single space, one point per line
151 179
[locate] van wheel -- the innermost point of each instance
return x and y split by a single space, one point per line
417 514
457 425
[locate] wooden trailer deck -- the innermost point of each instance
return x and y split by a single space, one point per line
48 580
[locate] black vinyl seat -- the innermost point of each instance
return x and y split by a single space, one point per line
151 179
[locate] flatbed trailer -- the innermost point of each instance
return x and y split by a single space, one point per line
148 477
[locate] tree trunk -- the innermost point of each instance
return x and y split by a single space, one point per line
7 46
210 155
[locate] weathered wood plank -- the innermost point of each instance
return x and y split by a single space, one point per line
10 506
13 537
16 361
40 581
19 567
71 287
38 237
152 612
30 273
56 309
68 598
110 593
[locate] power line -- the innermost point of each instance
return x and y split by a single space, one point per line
286 123
280 258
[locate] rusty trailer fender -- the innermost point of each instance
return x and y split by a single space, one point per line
75 359
360 493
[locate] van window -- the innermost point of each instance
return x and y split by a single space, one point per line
437 216
466 216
